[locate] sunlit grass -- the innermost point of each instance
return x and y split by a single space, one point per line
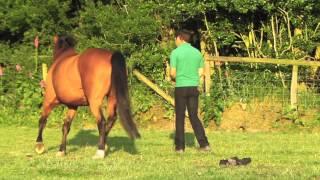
275 155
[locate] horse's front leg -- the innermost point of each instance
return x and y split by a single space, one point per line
46 109
65 130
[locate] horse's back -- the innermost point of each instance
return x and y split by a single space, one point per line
95 72
94 57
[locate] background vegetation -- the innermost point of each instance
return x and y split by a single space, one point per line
143 30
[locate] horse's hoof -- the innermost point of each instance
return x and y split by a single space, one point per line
39 148
99 154
60 154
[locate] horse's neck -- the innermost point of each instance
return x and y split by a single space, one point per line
61 54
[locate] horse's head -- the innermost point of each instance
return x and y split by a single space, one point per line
62 44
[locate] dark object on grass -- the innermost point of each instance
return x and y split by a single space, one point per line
234 161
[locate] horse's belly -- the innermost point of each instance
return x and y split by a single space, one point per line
72 97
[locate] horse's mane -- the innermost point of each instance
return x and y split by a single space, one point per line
63 44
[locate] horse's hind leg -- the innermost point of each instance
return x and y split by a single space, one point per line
101 123
46 109
112 112
65 130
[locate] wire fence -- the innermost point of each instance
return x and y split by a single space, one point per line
260 85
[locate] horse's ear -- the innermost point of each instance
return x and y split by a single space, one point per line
55 39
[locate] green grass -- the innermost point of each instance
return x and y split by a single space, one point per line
275 155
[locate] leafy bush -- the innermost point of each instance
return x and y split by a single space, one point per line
142 98
214 105
20 95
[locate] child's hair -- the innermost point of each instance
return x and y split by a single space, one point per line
184 35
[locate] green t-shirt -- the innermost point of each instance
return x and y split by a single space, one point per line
187 60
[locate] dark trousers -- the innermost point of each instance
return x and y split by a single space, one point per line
187 97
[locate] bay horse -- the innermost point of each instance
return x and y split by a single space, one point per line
85 80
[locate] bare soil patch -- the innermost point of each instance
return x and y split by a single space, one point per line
252 117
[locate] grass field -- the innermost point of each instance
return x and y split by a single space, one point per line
275 155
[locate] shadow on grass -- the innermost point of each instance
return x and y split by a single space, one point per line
189 139
86 138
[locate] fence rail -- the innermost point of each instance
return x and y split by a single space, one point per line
263 60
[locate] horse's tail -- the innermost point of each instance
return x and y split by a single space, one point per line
120 82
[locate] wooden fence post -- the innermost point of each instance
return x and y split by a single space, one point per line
294 87
206 69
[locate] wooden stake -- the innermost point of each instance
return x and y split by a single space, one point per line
294 85
44 71
207 73
207 77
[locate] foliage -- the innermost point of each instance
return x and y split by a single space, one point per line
215 104
19 89
142 98
23 20
151 60
126 27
